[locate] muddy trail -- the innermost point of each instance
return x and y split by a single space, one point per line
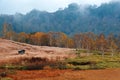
105 74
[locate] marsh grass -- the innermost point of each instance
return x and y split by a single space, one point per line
94 62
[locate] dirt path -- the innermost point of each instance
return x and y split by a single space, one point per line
107 74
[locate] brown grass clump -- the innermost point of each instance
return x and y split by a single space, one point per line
34 63
47 68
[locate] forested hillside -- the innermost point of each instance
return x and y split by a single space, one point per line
88 40
73 19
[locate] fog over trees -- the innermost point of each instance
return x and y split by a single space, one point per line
73 19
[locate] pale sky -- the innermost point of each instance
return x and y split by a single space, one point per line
24 6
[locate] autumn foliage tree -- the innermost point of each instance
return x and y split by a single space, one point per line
7 31
101 43
39 38
60 39
22 37
88 41
111 44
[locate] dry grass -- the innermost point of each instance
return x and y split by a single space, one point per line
9 52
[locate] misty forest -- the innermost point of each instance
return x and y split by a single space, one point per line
73 19
88 27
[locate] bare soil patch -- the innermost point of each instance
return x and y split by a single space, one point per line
107 74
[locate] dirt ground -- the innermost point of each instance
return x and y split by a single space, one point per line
107 74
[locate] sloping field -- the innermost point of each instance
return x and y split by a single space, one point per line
9 50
